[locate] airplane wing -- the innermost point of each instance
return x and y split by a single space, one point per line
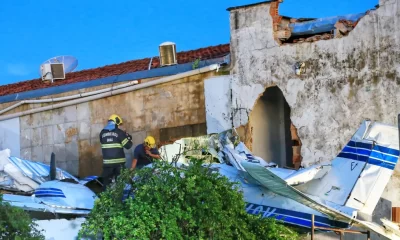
279 186
306 175
29 203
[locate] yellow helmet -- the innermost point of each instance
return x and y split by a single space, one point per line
150 142
117 119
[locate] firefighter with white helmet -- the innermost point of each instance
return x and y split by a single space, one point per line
113 141
145 153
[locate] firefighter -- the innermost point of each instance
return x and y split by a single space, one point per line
113 141
145 153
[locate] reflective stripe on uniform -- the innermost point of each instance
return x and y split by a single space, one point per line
111 145
116 160
125 141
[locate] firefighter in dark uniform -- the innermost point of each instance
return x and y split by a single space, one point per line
113 141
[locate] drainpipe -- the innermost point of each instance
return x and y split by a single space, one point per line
114 92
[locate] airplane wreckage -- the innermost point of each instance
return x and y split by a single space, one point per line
335 192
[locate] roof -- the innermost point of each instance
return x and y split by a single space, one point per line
205 53
250 5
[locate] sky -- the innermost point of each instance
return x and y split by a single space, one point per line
100 32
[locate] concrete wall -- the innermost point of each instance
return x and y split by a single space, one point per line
347 79
72 132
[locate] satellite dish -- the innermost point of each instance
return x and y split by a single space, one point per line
57 67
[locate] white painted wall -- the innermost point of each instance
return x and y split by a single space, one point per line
217 91
10 136
347 79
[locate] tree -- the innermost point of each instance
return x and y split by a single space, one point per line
15 223
173 203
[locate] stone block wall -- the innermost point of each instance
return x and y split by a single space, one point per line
72 132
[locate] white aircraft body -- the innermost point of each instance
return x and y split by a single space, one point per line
37 187
334 192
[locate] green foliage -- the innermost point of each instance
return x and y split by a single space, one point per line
174 203
196 63
16 224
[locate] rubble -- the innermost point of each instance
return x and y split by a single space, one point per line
299 30
343 27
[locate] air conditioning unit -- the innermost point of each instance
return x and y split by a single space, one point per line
52 71
168 54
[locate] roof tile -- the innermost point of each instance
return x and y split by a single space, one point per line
116 69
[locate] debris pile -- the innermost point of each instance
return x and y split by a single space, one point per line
343 27
325 36
288 30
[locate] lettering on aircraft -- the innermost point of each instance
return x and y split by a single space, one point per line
353 165
257 209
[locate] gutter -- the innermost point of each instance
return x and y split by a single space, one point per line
60 99
156 72
114 92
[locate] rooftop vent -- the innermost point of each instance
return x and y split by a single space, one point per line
168 54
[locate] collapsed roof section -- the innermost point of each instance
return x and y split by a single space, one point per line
291 30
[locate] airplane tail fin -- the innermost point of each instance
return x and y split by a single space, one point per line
379 149
362 169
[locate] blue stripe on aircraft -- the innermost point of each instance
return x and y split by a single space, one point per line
384 153
292 217
387 150
361 151
376 155
49 189
379 163
376 162
89 178
50 195
384 157
48 192
379 148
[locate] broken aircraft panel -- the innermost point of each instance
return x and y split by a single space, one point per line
29 185
335 192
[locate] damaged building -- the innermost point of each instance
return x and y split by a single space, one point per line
295 90
299 87
161 96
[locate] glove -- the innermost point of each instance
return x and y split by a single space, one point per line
129 136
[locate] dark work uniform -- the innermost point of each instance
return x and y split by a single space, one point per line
142 158
113 141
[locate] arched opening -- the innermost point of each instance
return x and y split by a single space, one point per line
274 137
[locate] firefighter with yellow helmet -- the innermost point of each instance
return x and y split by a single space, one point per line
145 153
113 141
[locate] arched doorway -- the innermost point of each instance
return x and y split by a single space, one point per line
274 138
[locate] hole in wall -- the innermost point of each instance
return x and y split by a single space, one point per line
274 137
